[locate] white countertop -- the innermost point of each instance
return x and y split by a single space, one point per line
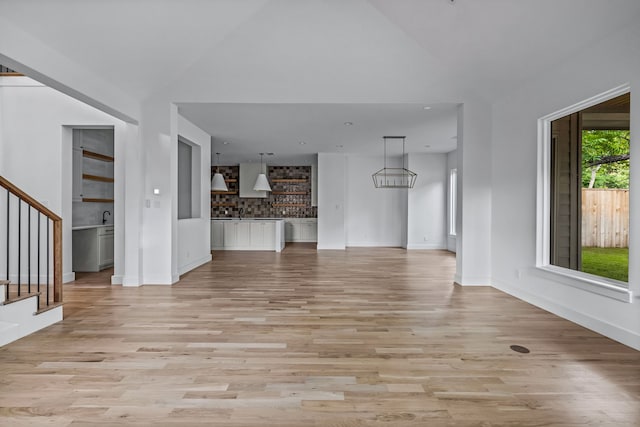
86 227
247 219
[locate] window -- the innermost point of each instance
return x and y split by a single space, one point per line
188 180
453 182
588 189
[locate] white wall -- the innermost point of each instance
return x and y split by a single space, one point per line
331 200
373 216
37 146
452 163
426 215
194 238
513 242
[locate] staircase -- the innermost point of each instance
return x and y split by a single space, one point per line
31 263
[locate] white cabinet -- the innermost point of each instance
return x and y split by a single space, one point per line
217 235
236 234
263 235
105 247
248 174
93 248
288 231
301 230
247 235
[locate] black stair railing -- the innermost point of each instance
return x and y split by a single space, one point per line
32 241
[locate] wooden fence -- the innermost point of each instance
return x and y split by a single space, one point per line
605 218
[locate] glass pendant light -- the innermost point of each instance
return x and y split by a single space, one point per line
217 183
262 183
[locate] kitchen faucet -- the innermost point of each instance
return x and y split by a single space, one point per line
240 212
104 220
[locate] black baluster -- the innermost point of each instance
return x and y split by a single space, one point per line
48 221
19 239
39 221
29 251
8 240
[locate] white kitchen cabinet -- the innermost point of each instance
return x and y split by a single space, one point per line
217 235
93 248
301 230
105 243
247 235
248 174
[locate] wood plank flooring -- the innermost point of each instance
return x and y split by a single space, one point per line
363 337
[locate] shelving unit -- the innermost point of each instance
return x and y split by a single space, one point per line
97 156
97 178
96 174
290 180
287 190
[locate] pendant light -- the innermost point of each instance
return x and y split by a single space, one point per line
394 177
217 183
262 183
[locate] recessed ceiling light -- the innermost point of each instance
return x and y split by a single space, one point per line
426 108
348 123
302 143
226 143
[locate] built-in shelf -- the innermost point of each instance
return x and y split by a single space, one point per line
223 204
284 193
97 156
231 180
224 192
95 200
96 178
289 180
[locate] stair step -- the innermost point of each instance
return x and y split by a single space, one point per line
13 299
49 307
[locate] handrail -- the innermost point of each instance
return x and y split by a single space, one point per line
30 200
57 233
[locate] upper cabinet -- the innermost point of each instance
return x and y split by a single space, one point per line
248 174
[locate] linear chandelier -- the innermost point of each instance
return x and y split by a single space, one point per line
394 177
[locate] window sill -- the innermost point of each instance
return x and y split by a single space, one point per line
587 282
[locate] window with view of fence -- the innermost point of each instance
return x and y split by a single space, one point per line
605 218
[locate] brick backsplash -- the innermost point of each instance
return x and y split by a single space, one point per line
228 205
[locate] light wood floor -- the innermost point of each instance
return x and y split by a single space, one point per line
363 337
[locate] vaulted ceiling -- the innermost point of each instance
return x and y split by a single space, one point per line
207 55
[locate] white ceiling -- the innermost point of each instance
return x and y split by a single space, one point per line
265 74
249 129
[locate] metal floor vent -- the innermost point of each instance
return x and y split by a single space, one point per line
520 349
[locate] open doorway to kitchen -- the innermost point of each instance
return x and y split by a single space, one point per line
93 200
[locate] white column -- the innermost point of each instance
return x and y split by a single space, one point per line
473 222
331 201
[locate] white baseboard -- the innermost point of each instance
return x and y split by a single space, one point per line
68 277
195 264
330 247
117 279
625 336
374 244
432 246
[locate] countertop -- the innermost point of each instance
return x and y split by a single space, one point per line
247 219
86 227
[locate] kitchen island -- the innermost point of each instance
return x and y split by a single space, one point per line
247 234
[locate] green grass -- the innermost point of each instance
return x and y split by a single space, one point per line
606 262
